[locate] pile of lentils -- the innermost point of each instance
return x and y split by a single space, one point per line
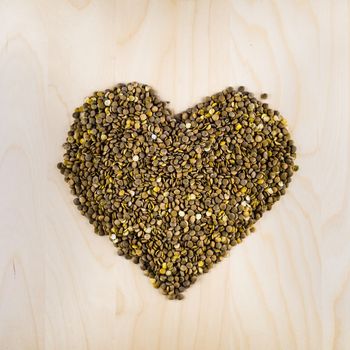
175 192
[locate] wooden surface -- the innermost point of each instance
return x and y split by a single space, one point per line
62 287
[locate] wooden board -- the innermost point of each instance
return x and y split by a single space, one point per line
62 287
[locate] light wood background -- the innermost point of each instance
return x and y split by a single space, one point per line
62 287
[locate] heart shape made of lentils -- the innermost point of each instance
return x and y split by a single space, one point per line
174 192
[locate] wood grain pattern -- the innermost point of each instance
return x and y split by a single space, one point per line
62 287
